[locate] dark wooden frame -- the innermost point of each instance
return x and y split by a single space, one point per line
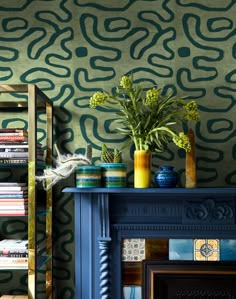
156 274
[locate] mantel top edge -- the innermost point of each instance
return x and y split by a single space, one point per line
223 190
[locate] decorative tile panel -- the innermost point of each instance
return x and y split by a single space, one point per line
228 250
206 250
133 250
202 249
132 292
181 249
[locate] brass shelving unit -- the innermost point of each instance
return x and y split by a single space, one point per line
32 100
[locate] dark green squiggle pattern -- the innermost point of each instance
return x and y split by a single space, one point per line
71 49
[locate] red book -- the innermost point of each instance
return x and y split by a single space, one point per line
9 130
12 138
13 212
13 200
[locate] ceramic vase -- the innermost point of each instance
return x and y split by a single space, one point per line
166 177
114 175
88 176
142 169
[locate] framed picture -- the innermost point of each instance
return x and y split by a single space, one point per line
188 279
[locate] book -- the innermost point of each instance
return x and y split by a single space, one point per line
13 138
14 206
22 133
13 192
14 145
14 252
14 155
12 203
13 199
3 184
13 188
14 297
6 243
12 130
13 161
14 150
14 142
13 260
13 213
14 265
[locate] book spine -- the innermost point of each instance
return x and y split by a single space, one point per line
14 208
13 161
8 130
13 142
10 203
17 144
12 184
6 134
13 260
13 188
12 197
14 155
13 213
13 192
13 254
14 149
13 138
14 297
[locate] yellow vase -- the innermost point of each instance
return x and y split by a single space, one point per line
142 169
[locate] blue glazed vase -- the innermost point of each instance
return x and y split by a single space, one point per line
166 177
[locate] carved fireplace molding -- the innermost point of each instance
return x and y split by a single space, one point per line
105 216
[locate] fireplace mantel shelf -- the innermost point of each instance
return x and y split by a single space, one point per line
105 216
222 190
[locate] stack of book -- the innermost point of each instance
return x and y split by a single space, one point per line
13 199
14 146
13 254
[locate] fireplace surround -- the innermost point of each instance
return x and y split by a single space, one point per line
106 216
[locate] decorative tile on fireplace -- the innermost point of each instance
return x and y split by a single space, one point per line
206 250
132 292
228 250
181 249
133 250
202 249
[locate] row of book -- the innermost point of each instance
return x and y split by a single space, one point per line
13 254
13 199
14 147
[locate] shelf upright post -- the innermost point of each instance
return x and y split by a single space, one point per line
32 141
49 215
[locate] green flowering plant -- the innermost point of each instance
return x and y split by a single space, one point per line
149 119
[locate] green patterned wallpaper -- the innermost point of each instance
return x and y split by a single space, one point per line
71 48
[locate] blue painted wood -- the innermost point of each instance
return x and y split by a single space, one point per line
104 216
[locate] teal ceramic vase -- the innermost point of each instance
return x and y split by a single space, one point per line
114 175
88 176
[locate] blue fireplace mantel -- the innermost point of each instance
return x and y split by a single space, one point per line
105 216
